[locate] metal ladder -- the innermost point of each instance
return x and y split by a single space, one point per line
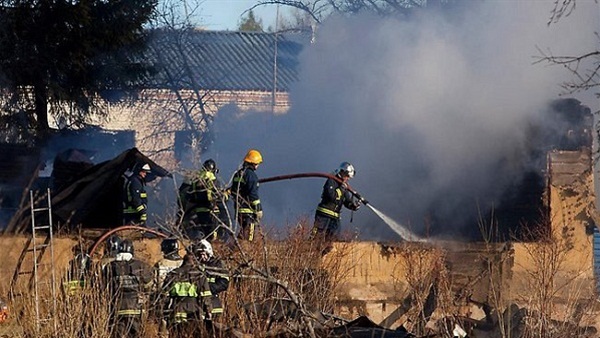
48 243
33 246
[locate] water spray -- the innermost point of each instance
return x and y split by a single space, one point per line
402 231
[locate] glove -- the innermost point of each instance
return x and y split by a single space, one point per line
259 215
226 194
355 206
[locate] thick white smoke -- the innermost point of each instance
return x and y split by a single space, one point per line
433 112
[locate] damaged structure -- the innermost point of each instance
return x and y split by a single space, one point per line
550 260
85 195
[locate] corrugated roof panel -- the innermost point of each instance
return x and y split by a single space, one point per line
225 60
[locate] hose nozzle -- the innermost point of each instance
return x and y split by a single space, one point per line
361 199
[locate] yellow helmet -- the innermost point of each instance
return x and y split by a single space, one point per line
253 156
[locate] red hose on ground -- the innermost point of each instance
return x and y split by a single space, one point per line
122 228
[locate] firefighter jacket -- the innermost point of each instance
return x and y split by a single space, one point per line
189 293
163 267
333 197
218 281
203 193
127 280
135 198
244 190
78 274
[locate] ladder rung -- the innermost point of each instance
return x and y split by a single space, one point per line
41 227
43 264
38 247
40 209
25 272
45 283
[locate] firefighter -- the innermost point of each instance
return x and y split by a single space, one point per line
79 272
189 298
135 198
171 260
218 279
204 200
127 278
334 196
246 200
111 249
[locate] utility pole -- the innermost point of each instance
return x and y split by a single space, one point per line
274 94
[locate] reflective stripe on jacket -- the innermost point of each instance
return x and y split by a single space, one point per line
244 189
135 198
333 197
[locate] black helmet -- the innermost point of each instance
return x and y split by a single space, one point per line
169 246
113 243
126 246
210 165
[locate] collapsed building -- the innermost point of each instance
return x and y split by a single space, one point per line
550 241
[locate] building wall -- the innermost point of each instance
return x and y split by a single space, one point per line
571 199
157 115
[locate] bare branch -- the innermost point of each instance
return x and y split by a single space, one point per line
561 8
585 68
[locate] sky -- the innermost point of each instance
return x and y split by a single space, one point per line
226 14
432 112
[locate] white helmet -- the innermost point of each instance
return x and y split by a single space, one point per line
346 169
204 246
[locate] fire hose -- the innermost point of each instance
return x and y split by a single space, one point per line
264 180
304 175
121 228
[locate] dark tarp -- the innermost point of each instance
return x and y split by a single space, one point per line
363 327
94 199
69 165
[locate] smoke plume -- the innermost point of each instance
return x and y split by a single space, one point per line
433 112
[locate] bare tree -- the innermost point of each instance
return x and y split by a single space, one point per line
561 8
320 9
584 67
181 100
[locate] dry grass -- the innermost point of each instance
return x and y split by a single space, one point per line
294 269
267 269
556 304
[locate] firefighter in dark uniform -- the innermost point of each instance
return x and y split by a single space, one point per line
135 198
334 196
244 191
127 278
189 298
218 279
205 204
79 273
171 260
113 245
